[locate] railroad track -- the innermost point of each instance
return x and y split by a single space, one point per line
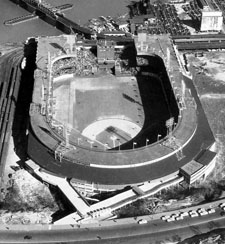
9 88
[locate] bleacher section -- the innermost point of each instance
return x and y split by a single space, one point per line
82 64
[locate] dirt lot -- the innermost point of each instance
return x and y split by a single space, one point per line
23 199
209 78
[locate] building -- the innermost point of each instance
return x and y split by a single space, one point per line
105 51
212 16
122 25
211 20
198 168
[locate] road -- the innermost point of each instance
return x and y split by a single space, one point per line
116 231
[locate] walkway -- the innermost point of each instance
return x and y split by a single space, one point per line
72 195
101 210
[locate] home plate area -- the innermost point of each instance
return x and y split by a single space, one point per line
111 133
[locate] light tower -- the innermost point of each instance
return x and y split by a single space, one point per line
183 87
169 126
168 58
66 134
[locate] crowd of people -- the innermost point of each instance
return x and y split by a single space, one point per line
80 65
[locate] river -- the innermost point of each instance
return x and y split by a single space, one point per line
80 13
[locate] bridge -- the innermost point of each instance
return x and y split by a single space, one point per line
54 16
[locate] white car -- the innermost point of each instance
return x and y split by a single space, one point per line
203 213
184 214
194 214
211 210
174 215
170 220
200 210
179 218
165 217
142 221
221 205
191 211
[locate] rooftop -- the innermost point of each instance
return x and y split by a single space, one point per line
191 167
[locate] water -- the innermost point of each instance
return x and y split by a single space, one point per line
80 13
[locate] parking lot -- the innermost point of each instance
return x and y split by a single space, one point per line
166 20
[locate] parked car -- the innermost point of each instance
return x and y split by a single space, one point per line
203 213
179 218
165 217
221 205
142 221
211 210
184 214
193 213
170 220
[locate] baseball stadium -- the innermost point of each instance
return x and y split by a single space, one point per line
108 114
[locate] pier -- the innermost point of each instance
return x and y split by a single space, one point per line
21 19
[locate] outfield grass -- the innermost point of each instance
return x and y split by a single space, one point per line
97 98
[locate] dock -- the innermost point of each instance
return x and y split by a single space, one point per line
20 19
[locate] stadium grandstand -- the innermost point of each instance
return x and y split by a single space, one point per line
106 115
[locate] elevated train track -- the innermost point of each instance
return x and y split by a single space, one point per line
200 42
